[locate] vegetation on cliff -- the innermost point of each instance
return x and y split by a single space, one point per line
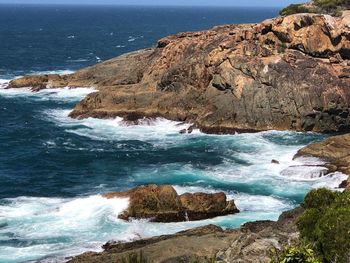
317 6
325 224
294 9
296 254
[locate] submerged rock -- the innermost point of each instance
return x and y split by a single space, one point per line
286 73
163 204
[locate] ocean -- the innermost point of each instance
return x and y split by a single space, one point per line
53 169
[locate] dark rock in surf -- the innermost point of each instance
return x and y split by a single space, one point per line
163 204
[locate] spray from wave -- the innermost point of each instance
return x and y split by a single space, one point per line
50 229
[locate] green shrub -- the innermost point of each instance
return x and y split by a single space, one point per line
325 224
296 254
320 6
333 231
331 3
320 198
294 9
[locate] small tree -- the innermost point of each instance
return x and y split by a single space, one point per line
325 224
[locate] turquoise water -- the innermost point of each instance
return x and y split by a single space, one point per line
53 169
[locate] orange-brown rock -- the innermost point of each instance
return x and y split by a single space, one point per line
285 73
37 83
201 205
163 204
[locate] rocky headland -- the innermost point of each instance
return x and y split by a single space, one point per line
286 73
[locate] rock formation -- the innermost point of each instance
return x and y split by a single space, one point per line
253 242
286 73
335 151
163 204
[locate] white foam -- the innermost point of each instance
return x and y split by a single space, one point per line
47 72
286 178
63 226
158 131
78 60
331 181
246 202
57 227
4 83
61 94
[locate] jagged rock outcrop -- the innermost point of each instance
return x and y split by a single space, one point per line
335 151
285 73
253 242
162 204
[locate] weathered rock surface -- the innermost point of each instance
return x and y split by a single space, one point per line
285 73
335 151
253 242
163 204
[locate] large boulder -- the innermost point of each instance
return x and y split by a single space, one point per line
163 204
201 205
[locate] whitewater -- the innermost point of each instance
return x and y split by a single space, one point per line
54 169
50 229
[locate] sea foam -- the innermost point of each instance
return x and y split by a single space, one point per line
62 226
61 94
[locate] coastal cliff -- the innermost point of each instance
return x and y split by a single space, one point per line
287 73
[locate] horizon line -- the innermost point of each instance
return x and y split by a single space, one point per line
138 5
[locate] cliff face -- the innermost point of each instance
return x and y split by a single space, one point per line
285 73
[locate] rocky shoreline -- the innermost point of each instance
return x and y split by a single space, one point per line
286 73
253 242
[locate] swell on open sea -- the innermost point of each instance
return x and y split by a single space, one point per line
53 169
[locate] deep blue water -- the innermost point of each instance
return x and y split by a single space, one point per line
53 168
36 38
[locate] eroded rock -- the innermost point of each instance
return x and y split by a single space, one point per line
286 73
163 204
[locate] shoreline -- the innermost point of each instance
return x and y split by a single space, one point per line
226 80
